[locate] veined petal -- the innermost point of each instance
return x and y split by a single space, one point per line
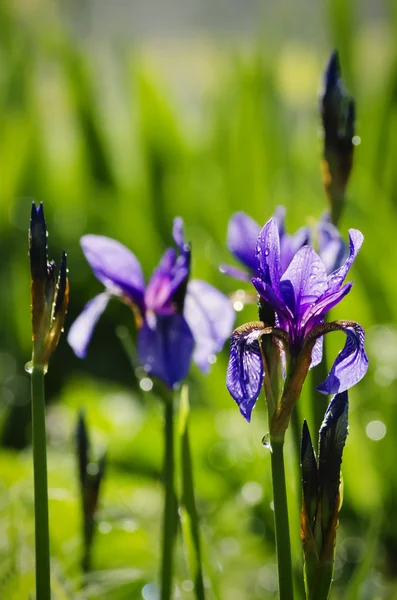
164 282
268 294
210 316
235 272
114 265
290 244
304 282
336 278
331 246
268 254
165 348
242 235
81 331
245 369
314 314
350 365
317 352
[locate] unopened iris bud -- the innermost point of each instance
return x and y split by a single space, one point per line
337 109
49 295
91 475
321 496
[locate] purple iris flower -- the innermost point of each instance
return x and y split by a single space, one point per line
242 237
300 297
178 319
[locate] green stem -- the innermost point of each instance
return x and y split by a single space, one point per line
42 538
283 544
188 509
170 508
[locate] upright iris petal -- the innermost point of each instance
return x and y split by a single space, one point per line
177 318
242 237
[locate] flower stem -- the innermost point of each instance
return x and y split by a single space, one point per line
188 509
42 539
283 544
170 507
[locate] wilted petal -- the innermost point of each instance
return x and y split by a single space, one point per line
114 265
304 281
81 331
350 365
242 235
210 316
245 369
331 247
336 278
268 254
165 348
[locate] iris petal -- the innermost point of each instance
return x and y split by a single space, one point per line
81 331
242 235
245 369
210 316
268 254
114 265
304 281
165 347
336 278
350 365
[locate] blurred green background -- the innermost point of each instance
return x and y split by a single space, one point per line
116 136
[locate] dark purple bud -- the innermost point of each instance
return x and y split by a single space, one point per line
309 475
38 243
337 110
62 286
82 448
333 434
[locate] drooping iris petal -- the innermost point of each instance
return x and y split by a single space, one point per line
242 235
304 281
114 265
165 347
331 247
210 316
350 365
81 331
245 369
336 278
317 352
268 254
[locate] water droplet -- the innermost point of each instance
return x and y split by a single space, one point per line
29 367
266 441
356 140
146 384
267 252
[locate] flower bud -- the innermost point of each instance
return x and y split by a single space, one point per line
49 296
